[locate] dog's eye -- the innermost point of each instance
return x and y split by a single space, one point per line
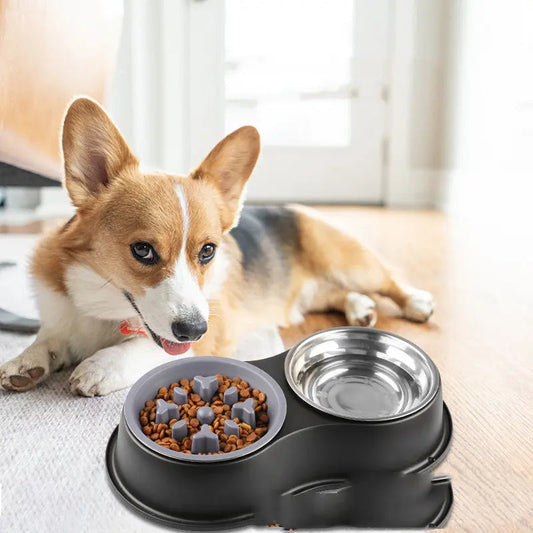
207 253
144 252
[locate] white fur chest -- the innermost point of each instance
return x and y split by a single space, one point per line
61 319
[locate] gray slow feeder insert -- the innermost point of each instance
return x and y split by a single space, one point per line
231 396
203 369
205 386
231 428
179 396
205 441
179 430
205 415
245 412
165 412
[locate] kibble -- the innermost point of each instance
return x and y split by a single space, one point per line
162 433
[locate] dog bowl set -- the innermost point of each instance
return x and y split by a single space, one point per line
357 426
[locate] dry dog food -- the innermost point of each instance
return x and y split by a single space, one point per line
206 415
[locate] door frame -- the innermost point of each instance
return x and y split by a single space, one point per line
207 101
179 21
404 185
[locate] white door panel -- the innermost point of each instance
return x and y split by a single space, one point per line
310 75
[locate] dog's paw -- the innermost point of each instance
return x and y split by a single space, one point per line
20 378
95 376
25 371
419 306
360 310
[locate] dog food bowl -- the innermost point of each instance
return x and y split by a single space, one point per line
146 387
361 374
356 427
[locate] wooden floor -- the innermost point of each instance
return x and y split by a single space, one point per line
481 338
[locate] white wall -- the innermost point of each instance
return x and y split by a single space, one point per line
488 150
464 141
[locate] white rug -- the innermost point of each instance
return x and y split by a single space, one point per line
52 473
52 444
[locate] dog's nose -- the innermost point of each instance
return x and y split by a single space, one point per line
189 331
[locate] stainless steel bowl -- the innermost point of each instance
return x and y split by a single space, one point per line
361 374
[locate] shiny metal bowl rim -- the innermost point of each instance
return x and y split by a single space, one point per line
347 329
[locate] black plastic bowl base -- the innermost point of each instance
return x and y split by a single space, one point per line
317 470
166 519
440 486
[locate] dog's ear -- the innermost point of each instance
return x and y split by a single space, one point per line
94 151
228 167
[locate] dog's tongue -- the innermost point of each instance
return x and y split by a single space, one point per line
130 327
175 348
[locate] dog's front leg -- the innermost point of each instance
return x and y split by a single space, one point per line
34 364
116 367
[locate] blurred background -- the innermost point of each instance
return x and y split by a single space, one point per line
393 103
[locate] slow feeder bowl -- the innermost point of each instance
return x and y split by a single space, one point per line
357 425
190 367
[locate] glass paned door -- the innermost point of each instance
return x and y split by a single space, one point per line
310 75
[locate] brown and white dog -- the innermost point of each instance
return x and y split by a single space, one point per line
181 260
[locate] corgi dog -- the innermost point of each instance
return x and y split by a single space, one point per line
153 265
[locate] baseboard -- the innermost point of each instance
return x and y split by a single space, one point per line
419 189
486 193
